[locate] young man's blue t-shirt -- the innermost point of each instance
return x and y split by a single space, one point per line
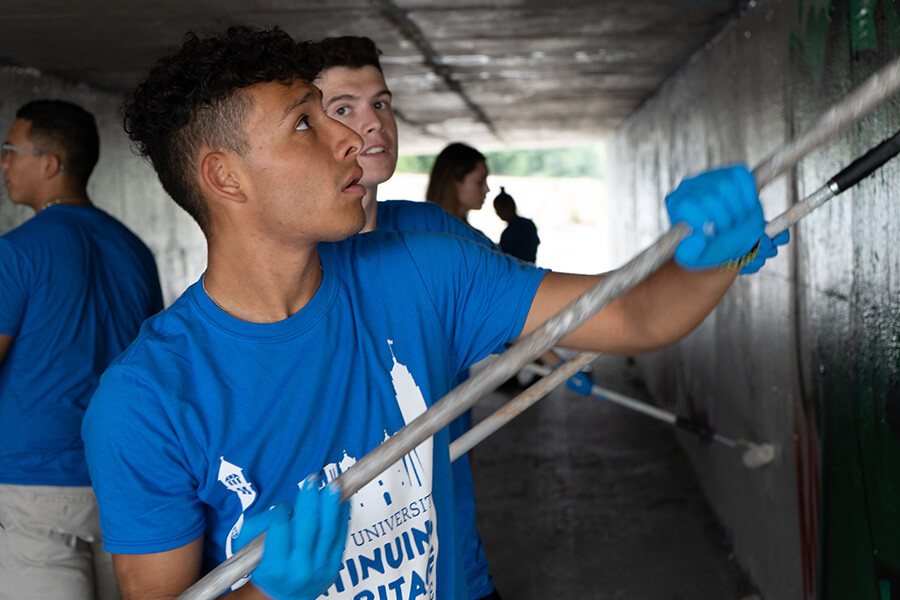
404 215
75 286
205 418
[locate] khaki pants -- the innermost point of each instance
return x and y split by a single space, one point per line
50 545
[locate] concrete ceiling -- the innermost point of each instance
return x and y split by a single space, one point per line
493 73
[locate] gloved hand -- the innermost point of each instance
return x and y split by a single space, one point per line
303 548
723 209
767 249
581 383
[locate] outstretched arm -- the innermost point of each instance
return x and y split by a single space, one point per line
657 312
725 216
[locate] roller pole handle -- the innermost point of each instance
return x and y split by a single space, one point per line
849 176
863 166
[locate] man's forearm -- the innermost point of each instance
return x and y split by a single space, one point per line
672 302
658 311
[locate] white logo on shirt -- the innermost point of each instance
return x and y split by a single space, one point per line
232 476
392 545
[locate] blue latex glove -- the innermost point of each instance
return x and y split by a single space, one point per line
581 383
303 548
767 249
723 209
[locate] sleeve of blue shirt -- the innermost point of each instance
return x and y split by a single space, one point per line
137 501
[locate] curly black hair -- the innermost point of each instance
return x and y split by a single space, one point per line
351 51
193 98
67 130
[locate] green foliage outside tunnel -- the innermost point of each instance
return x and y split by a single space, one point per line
587 161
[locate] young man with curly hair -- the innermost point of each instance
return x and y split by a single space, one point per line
304 346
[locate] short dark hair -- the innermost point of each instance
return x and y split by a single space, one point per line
66 130
351 51
194 97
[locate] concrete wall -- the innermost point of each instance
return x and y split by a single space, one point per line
122 184
804 354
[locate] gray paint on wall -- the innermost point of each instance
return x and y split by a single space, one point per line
749 368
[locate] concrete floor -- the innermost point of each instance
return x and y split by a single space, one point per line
579 498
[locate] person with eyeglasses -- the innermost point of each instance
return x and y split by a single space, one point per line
75 286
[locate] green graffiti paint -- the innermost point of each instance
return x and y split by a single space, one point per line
862 25
847 569
815 25
858 387
810 35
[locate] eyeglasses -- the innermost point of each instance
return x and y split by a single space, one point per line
8 149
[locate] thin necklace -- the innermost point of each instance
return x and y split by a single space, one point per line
210 296
50 203
219 306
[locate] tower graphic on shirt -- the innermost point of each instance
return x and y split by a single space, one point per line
410 471
391 542
391 546
232 477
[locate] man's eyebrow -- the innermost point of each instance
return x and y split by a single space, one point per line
308 97
341 97
349 96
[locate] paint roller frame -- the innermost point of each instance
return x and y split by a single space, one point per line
755 455
875 89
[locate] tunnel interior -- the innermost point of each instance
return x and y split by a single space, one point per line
804 355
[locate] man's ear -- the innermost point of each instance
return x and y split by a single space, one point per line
52 165
220 178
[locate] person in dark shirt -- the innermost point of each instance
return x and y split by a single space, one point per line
520 238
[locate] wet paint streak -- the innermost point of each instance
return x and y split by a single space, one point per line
807 466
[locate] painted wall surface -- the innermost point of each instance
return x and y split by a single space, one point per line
805 354
122 184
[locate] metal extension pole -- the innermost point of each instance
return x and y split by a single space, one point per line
523 401
874 90
859 169
644 408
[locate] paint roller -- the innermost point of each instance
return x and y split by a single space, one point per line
755 454
875 89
